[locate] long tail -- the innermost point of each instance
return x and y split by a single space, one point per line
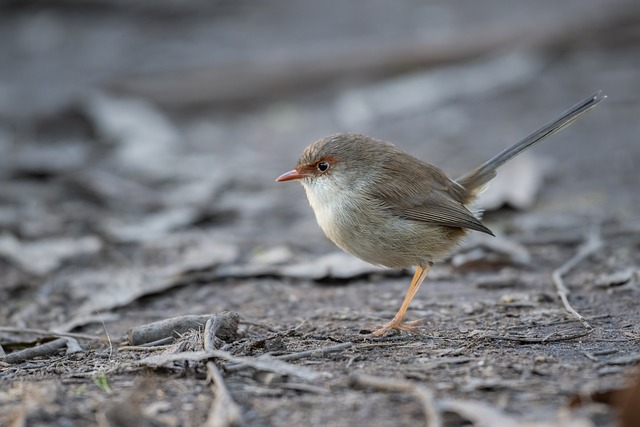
474 180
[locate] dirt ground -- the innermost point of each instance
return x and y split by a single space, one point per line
138 151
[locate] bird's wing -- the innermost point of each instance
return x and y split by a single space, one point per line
418 191
439 208
431 197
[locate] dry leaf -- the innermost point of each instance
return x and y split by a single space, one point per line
151 227
426 90
43 256
337 265
516 185
147 141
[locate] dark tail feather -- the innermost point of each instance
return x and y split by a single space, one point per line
475 179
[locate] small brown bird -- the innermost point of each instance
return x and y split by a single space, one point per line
388 208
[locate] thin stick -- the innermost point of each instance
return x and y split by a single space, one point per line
318 352
593 243
14 330
268 364
424 395
224 411
38 351
211 329
104 326
533 340
143 348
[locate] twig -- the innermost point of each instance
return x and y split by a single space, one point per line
161 343
143 348
106 332
13 330
318 352
436 363
307 388
592 244
224 411
268 364
532 340
424 395
223 326
41 350
73 346
626 359
605 352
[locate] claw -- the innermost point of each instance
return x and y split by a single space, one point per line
409 327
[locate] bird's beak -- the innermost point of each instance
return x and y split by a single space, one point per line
291 175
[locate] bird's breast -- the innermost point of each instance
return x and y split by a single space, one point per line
364 227
334 212
367 228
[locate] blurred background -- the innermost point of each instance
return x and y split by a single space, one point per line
122 123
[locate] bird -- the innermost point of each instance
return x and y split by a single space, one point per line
391 209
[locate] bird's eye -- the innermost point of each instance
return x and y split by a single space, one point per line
322 166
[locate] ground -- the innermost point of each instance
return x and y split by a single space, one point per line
139 147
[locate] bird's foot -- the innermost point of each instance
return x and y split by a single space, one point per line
410 327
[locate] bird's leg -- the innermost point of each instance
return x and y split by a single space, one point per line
397 321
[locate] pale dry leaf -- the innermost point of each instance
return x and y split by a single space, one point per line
628 276
485 248
147 140
517 184
427 90
46 255
107 289
196 250
151 227
336 265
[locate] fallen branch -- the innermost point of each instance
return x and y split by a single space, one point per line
40 351
224 411
593 243
226 327
424 395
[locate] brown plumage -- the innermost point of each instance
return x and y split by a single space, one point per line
389 208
